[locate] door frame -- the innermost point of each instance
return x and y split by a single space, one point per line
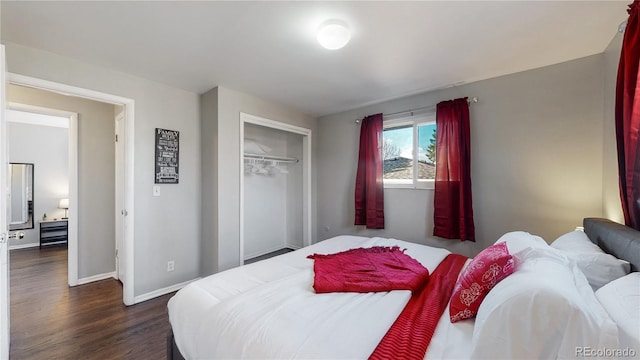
128 188
307 221
119 181
5 317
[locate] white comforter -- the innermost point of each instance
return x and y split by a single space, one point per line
546 309
269 310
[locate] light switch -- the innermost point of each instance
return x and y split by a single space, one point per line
156 190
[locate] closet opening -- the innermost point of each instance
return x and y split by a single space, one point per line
275 188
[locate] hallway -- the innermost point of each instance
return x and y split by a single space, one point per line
49 320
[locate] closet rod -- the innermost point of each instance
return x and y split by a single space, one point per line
270 157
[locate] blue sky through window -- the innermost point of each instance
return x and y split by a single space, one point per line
403 139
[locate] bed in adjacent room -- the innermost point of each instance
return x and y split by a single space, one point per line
546 308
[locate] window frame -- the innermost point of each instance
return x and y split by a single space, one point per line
414 121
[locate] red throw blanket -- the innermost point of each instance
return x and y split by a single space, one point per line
367 270
410 334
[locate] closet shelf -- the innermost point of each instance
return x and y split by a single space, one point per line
279 159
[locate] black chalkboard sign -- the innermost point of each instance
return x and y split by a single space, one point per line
167 159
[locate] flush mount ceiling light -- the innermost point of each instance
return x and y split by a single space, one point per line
333 34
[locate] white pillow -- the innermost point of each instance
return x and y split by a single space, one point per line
621 299
520 240
599 267
544 310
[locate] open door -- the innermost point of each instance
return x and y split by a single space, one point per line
4 220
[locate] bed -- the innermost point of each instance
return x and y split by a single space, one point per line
269 309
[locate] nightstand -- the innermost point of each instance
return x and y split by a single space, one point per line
54 232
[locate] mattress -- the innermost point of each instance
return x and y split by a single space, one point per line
268 309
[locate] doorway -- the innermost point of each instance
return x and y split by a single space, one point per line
41 137
275 186
125 196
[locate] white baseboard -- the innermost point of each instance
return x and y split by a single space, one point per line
96 278
23 246
163 291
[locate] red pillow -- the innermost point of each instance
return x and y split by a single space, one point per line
488 268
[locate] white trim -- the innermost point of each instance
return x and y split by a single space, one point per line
96 278
163 291
5 315
429 185
39 110
307 190
35 118
257 120
129 109
396 123
65 89
120 164
307 200
129 234
241 212
73 214
23 246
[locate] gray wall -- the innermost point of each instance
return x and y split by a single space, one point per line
610 186
96 174
166 227
47 147
221 108
209 212
536 142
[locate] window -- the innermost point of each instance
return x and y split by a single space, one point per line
409 152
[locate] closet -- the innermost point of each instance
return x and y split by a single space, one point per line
275 192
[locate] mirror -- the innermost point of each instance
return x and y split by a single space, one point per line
21 175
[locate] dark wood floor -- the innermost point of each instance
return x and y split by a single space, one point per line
49 320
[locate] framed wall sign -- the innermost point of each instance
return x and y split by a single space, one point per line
167 156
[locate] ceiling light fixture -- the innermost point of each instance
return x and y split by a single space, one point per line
333 34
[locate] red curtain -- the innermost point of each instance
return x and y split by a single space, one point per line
628 120
369 188
452 210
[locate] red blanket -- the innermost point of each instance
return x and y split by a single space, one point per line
367 270
410 334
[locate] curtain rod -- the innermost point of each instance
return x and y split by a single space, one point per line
472 100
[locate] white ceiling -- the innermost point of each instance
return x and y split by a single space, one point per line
268 49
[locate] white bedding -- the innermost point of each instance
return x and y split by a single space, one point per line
269 310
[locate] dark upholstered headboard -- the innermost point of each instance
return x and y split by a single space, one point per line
618 240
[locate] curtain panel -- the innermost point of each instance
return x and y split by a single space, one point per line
627 115
453 210
369 194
